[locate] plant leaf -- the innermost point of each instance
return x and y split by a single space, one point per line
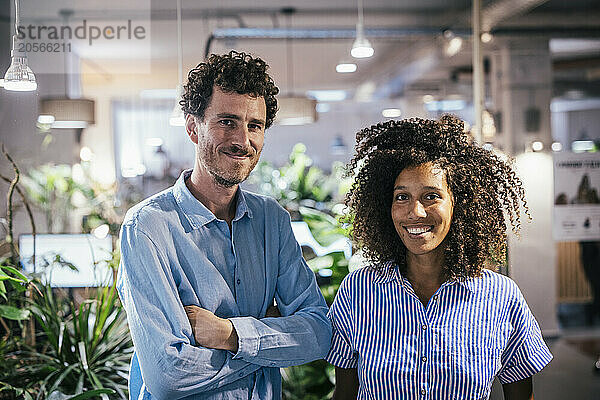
15 272
14 313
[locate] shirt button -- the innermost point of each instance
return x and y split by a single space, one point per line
435 297
423 326
239 281
424 359
423 391
273 364
241 374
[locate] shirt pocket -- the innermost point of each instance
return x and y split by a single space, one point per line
472 370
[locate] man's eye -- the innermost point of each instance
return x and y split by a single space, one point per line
254 127
432 196
226 122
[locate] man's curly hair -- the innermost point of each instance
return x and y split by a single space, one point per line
233 72
484 190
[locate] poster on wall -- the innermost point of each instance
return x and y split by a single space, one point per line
576 196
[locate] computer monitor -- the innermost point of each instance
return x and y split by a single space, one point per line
86 252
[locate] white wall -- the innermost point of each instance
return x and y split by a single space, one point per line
532 257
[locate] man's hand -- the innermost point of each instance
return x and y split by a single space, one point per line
211 331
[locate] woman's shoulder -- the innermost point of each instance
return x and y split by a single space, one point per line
493 282
367 275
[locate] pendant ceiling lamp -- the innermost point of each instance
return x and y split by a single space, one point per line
19 77
177 118
361 48
65 112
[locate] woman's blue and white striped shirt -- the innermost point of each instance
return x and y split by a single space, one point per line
470 332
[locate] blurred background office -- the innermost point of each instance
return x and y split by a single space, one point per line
94 126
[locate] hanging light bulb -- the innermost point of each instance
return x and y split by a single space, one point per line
19 77
361 48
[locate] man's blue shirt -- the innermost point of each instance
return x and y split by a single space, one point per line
174 253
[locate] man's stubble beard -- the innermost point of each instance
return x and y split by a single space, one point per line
223 178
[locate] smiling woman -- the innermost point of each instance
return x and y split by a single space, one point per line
426 318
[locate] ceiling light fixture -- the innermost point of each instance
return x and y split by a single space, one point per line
391 113
454 46
19 77
486 37
580 146
65 112
361 48
177 118
345 68
537 146
556 146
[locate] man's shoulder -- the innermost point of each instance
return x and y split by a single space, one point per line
150 211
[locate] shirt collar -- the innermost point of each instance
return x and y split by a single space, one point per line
391 272
468 283
387 273
196 213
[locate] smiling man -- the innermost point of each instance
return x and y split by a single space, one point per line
203 260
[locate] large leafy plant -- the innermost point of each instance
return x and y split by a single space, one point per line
75 351
79 349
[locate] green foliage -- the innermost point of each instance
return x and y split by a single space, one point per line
50 188
9 275
80 348
299 182
58 190
312 381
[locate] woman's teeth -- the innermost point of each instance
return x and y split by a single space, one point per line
419 230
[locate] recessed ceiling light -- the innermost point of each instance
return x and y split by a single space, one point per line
537 146
391 112
486 37
556 146
345 68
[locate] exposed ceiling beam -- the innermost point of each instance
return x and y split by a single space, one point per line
501 10
404 74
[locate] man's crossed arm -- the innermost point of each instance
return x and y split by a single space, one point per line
217 333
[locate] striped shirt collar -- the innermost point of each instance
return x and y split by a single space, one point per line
391 272
196 213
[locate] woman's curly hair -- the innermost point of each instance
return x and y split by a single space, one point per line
484 190
233 72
